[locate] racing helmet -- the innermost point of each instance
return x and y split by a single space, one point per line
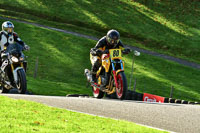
8 27
112 37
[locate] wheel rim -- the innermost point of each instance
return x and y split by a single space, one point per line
19 84
119 90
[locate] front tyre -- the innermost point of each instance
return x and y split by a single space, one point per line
21 85
122 84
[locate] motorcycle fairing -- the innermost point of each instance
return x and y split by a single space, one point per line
106 62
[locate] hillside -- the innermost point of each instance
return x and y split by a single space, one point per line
63 57
169 26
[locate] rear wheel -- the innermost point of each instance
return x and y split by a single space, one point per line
21 85
122 86
97 93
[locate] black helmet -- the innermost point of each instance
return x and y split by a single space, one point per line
112 37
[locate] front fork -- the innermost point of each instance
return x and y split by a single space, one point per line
115 78
12 66
14 71
115 73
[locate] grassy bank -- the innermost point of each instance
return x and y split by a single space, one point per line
63 58
164 26
21 116
170 27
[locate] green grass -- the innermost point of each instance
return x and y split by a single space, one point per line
63 58
56 88
157 76
21 116
164 26
170 27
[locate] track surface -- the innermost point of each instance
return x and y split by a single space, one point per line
171 117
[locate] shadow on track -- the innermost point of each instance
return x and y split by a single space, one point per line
14 91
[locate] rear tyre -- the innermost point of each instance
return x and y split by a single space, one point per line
22 84
122 84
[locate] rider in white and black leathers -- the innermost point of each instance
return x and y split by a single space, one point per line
8 36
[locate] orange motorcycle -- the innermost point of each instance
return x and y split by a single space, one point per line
110 76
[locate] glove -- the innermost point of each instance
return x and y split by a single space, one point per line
126 51
95 52
106 51
26 47
99 52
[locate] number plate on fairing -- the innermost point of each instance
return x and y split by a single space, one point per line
115 54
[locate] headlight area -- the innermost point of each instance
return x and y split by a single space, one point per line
15 59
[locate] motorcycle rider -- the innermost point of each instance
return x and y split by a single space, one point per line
110 41
8 36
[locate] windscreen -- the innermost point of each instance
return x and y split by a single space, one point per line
14 49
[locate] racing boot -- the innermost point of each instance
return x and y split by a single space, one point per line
2 75
2 69
93 72
94 79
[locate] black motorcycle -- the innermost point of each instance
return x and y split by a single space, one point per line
13 69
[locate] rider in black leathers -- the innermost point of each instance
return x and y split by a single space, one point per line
110 41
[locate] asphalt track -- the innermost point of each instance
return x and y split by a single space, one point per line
171 117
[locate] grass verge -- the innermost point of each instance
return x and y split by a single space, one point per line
21 116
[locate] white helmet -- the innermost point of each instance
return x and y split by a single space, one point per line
8 27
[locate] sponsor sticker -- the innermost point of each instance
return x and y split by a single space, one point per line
153 98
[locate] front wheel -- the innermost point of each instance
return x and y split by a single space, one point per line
122 86
21 85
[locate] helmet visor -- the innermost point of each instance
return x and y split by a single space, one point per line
113 41
8 30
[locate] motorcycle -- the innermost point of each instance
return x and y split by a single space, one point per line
13 69
110 76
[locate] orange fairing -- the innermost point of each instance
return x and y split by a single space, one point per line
104 56
106 61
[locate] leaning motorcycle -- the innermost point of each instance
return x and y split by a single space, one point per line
13 69
111 78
